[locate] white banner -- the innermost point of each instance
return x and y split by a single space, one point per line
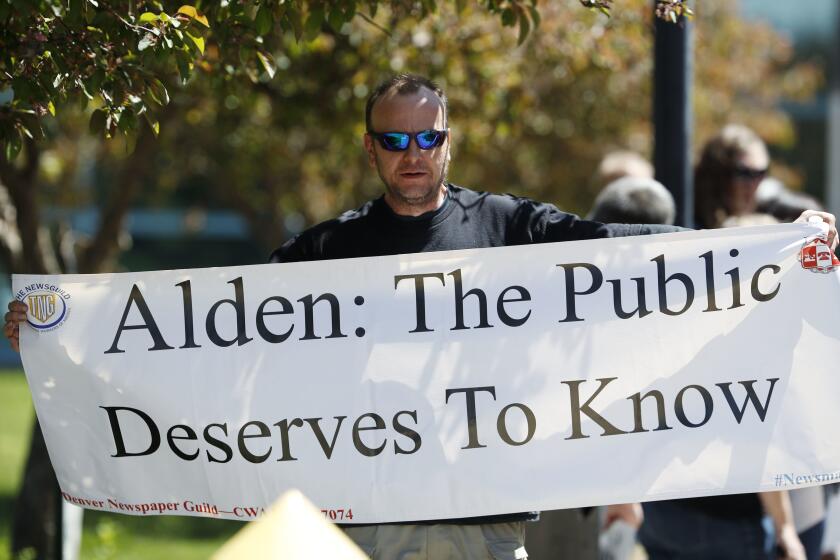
444 385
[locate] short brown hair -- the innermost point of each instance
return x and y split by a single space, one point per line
404 84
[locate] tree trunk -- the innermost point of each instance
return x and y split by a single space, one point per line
37 515
104 247
36 526
21 183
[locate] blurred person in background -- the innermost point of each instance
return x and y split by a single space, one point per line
732 165
773 198
630 199
618 164
738 526
634 200
757 219
807 505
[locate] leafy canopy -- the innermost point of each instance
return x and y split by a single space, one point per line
122 57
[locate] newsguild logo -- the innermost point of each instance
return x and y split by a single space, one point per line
817 256
48 305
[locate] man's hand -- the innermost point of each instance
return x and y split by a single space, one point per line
629 513
15 316
827 218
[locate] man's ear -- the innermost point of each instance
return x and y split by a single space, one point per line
369 150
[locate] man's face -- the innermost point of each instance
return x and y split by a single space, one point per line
414 178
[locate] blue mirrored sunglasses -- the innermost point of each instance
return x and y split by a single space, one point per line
398 141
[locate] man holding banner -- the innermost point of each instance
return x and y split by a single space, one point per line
408 143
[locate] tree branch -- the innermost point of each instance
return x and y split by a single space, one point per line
103 246
23 187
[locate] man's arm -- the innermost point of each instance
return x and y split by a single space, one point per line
291 251
549 224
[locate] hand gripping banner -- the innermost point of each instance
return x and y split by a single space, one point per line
445 385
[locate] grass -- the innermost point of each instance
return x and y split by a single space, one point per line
106 535
15 422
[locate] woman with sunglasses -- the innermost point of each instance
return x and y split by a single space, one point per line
731 166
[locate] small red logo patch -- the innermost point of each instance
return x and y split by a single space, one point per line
817 256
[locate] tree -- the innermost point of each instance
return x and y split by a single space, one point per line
122 60
533 118
118 54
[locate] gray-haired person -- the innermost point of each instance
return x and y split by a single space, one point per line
634 200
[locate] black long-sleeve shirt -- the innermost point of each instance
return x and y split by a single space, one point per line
466 220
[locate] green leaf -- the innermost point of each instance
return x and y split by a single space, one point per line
23 88
75 12
292 19
268 63
508 17
97 122
429 6
61 64
179 39
96 79
111 121
535 16
31 126
336 18
82 86
13 145
154 124
246 53
128 121
184 65
350 13
148 17
313 23
524 28
51 108
198 41
264 20
158 92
